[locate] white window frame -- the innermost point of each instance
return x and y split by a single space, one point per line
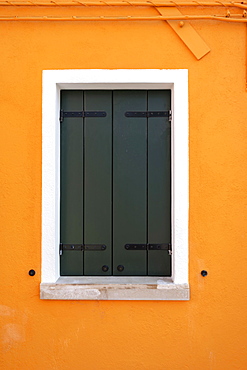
114 288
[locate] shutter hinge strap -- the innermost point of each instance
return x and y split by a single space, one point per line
81 114
149 247
150 114
81 247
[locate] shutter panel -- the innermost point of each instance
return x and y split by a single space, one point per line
98 181
129 182
159 183
71 183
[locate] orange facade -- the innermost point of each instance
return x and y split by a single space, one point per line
208 332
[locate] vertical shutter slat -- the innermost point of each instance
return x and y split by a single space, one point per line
71 173
129 182
159 182
98 181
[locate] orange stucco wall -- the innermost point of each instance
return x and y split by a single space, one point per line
209 331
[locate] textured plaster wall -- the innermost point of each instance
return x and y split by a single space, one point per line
209 331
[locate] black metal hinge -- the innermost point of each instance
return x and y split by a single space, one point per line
81 247
150 247
81 114
150 114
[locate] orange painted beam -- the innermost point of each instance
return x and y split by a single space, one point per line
190 38
126 3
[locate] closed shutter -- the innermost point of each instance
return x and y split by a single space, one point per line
115 183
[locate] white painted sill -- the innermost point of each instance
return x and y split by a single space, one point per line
115 288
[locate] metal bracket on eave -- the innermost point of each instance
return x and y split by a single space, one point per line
186 32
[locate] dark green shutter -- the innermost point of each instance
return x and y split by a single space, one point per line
159 182
71 184
98 182
116 183
129 182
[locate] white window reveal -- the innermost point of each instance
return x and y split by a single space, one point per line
130 127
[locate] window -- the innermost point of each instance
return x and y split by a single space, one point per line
123 200
115 204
